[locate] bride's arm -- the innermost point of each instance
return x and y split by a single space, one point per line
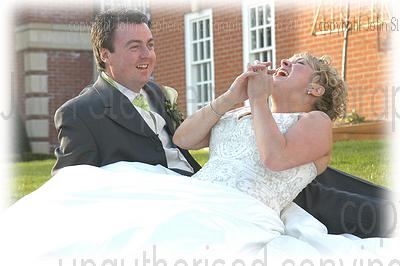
307 141
194 133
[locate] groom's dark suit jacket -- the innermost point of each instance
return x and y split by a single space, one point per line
101 126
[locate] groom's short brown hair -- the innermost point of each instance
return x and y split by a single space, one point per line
103 28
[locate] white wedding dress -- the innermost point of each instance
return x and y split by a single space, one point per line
233 208
235 161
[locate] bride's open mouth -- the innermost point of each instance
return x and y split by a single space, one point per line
281 73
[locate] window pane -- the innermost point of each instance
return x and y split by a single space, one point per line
268 14
205 74
260 16
265 56
194 31
253 17
201 27
204 99
268 36
252 58
198 73
210 92
198 94
270 59
209 71
201 55
202 72
253 39
208 50
205 49
262 57
268 56
261 38
255 56
207 28
206 95
195 52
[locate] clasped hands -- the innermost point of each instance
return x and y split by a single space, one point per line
255 82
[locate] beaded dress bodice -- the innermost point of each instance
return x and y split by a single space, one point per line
235 161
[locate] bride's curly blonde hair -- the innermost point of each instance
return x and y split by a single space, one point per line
333 101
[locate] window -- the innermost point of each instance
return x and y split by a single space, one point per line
258 32
199 60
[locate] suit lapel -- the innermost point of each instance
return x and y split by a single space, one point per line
158 101
119 109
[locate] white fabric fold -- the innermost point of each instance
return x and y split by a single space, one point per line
128 208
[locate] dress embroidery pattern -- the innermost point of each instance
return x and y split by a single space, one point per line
235 162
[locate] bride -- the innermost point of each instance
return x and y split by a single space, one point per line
274 153
239 204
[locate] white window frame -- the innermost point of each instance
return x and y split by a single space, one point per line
192 103
246 6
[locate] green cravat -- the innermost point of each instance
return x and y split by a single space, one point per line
141 102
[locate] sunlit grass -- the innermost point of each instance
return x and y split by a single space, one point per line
367 159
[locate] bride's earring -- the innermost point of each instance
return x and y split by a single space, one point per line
308 92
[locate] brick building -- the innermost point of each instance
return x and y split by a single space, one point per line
201 47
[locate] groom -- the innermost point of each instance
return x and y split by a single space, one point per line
126 117
123 116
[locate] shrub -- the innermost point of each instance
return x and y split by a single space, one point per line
352 118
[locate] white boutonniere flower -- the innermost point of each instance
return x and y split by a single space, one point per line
171 97
170 94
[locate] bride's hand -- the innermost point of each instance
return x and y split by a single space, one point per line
260 85
258 66
237 92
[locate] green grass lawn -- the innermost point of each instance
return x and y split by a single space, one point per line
366 159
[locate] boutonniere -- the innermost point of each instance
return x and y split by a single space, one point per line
171 96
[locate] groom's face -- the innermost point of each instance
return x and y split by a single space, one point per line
133 59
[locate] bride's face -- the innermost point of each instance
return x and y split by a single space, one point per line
293 76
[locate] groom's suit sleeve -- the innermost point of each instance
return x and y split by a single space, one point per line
77 144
